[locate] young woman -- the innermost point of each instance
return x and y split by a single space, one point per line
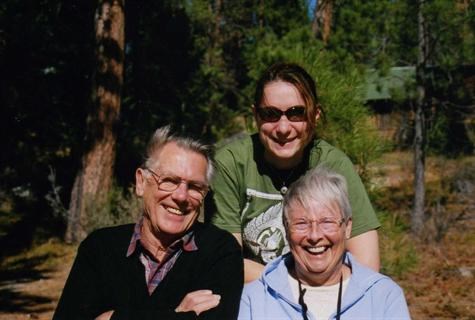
253 173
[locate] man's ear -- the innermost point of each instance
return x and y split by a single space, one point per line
349 224
140 181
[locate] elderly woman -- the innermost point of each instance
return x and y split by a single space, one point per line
319 278
254 172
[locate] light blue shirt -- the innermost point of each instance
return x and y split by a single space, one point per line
370 295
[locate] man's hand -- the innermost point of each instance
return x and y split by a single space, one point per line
198 301
105 316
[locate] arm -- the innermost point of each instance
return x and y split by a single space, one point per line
199 301
206 284
365 248
244 307
196 301
222 273
363 243
252 269
81 297
396 305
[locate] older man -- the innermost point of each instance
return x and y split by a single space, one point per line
167 265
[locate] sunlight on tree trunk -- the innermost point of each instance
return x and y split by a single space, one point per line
94 179
322 19
417 218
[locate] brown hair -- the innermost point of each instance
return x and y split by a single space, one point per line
297 76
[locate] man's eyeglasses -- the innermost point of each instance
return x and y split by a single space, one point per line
170 183
272 114
326 225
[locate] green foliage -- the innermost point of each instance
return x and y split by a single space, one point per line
437 137
398 254
362 31
120 208
384 33
193 64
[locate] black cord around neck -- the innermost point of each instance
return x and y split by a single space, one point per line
304 305
301 301
338 305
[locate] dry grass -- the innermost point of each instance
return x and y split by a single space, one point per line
440 282
31 282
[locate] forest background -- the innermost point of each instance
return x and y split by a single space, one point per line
83 84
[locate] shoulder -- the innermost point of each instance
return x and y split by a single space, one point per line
273 278
237 146
326 151
253 288
323 153
380 284
110 236
209 235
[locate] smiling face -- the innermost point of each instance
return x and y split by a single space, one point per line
317 255
168 215
284 141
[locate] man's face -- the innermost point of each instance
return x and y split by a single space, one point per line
170 214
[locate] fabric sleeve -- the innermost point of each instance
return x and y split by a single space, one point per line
245 307
226 198
396 306
81 297
223 273
218 266
363 215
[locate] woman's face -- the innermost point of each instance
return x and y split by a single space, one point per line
317 253
284 140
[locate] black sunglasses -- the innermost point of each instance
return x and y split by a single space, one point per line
272 114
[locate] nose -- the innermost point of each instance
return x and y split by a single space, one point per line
314 234
283 126
181 193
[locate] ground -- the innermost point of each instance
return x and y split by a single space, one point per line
440 284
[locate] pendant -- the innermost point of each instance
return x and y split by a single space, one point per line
283 190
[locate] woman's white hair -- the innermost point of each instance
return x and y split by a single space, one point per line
320 185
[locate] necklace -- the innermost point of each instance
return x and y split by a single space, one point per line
283 189
283 181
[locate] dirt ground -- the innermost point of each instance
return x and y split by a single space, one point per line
441 287
32 290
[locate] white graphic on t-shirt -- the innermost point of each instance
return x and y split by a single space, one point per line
265 234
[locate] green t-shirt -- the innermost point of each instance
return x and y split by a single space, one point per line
247 201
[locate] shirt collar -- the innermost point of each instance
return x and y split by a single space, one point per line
187 242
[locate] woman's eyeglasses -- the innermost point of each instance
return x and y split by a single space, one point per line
326 225
272 114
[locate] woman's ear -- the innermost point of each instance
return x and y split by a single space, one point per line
318 113
140 181
349 224
253 107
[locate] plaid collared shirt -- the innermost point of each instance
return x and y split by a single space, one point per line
155 271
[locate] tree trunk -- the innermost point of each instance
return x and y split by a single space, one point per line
94 178
417 217
322 19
